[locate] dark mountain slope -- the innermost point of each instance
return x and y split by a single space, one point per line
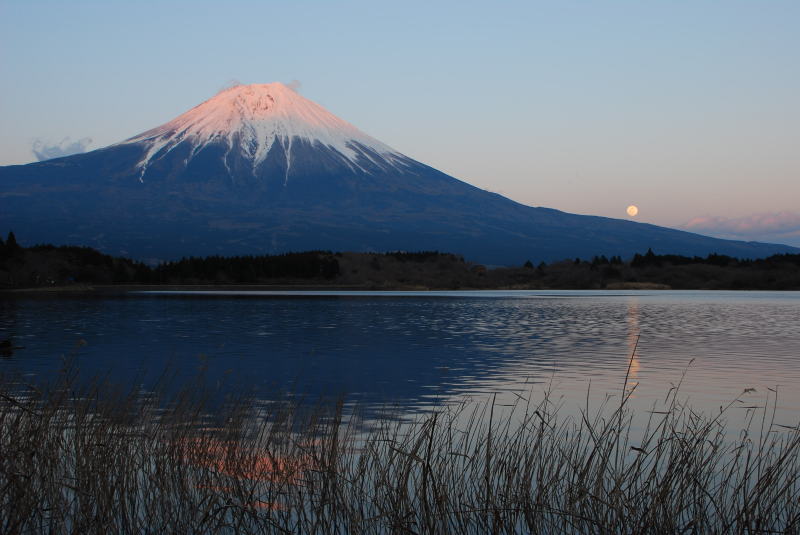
259 169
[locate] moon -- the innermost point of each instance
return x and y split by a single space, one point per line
632 210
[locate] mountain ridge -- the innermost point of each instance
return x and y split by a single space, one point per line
252 119
242 173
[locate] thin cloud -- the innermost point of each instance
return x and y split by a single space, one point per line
66 147
295 85
778 226
230 84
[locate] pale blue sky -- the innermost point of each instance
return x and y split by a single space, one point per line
685 108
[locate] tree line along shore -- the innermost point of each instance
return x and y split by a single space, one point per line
73 267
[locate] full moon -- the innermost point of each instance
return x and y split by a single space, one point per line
632 210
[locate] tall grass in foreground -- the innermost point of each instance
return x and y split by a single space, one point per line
76 460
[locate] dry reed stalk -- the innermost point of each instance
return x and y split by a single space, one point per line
74 459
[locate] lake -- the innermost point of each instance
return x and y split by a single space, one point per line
417 350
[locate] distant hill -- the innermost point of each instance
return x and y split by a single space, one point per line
259 169
47 266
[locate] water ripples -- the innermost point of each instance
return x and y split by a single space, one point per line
419 349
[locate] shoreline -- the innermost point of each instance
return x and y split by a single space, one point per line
106 290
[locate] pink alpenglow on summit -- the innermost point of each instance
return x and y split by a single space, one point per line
251 119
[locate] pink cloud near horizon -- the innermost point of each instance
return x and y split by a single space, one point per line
776 226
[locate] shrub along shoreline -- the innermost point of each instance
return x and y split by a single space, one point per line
69 268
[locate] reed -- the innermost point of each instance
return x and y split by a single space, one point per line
75 458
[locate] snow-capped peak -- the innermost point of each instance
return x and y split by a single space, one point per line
252 118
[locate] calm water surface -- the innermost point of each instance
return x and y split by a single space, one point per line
425 348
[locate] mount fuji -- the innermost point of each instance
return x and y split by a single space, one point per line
260 169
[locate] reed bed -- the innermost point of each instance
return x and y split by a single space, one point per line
77 459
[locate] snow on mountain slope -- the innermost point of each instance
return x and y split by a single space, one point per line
251 119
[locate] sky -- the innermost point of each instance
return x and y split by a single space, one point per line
687 109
